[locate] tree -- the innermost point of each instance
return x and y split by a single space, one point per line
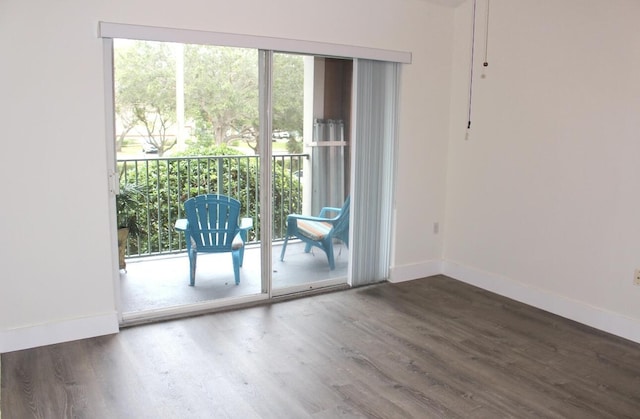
221 92
126 121
221 89
294 146
145 91
288 92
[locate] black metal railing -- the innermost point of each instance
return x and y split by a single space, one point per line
167 182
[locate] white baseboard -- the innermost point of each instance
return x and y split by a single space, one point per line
579 311
416 271
57 332
610 322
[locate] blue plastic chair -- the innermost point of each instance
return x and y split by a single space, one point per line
320 231
212 226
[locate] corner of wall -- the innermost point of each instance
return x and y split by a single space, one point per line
579 311
415 271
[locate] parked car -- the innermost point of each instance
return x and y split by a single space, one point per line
280 134
149 148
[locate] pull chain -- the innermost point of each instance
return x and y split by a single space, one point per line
486 38
473 50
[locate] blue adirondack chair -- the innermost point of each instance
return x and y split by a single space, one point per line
319 231
212 226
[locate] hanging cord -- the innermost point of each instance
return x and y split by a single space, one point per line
473 50
486 38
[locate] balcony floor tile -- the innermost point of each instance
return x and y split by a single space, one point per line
163 281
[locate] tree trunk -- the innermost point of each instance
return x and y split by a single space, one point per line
123 233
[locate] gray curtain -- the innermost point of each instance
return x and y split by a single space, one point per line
376 103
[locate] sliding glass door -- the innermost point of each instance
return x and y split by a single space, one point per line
311 116
305 143
187 123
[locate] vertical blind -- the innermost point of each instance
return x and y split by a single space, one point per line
376 103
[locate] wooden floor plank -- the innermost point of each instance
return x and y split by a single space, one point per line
431 348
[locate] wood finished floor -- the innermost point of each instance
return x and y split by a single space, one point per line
431 348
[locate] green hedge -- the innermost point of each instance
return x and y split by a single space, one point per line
170 182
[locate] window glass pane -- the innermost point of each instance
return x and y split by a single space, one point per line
311 112
187 120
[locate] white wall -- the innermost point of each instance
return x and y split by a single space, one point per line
58 260
543 200
424 132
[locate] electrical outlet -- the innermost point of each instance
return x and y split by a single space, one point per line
636 277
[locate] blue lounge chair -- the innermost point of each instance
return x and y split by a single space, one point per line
212 226
320 231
